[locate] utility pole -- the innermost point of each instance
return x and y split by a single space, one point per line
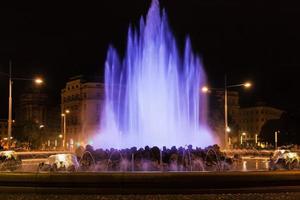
276 139
225 114
9 107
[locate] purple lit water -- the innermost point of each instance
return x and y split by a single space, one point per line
153 94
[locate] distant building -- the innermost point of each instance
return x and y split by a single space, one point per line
253 118
36 113
32 107
84 99
247 121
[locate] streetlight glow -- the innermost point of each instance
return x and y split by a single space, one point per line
38 81
204 89
247 85
67 111
228 129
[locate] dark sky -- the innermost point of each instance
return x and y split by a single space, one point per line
248 40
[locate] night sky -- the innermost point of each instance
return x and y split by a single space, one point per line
248 40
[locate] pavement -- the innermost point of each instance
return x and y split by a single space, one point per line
163 183
227 196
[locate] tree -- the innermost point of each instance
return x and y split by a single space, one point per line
29 132
287 127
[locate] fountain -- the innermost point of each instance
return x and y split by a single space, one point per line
152 94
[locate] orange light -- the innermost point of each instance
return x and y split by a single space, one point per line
38 81
247 85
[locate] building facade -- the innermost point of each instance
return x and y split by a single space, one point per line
245 123
84 100
37 118
32 108
253 118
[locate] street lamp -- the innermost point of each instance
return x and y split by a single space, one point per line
256 139
37 81
64 116
243 134
228 129
206 89
246 85
276 139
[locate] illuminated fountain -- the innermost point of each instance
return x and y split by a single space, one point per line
152 94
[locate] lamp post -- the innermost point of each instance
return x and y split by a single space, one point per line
206 89
37 81
276 139
246 85
64 116
256 139
243 134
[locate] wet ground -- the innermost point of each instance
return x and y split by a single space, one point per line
240 196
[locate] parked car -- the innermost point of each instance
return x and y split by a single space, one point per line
60 162
9 161
284 159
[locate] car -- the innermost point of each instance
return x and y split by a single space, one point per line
60 162
285 159
9 161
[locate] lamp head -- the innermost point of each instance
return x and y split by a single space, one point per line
204 89
247 85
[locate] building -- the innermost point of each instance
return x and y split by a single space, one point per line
37 117
253 118
245 123
84 99
32 107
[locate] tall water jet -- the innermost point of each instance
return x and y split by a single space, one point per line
152 94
